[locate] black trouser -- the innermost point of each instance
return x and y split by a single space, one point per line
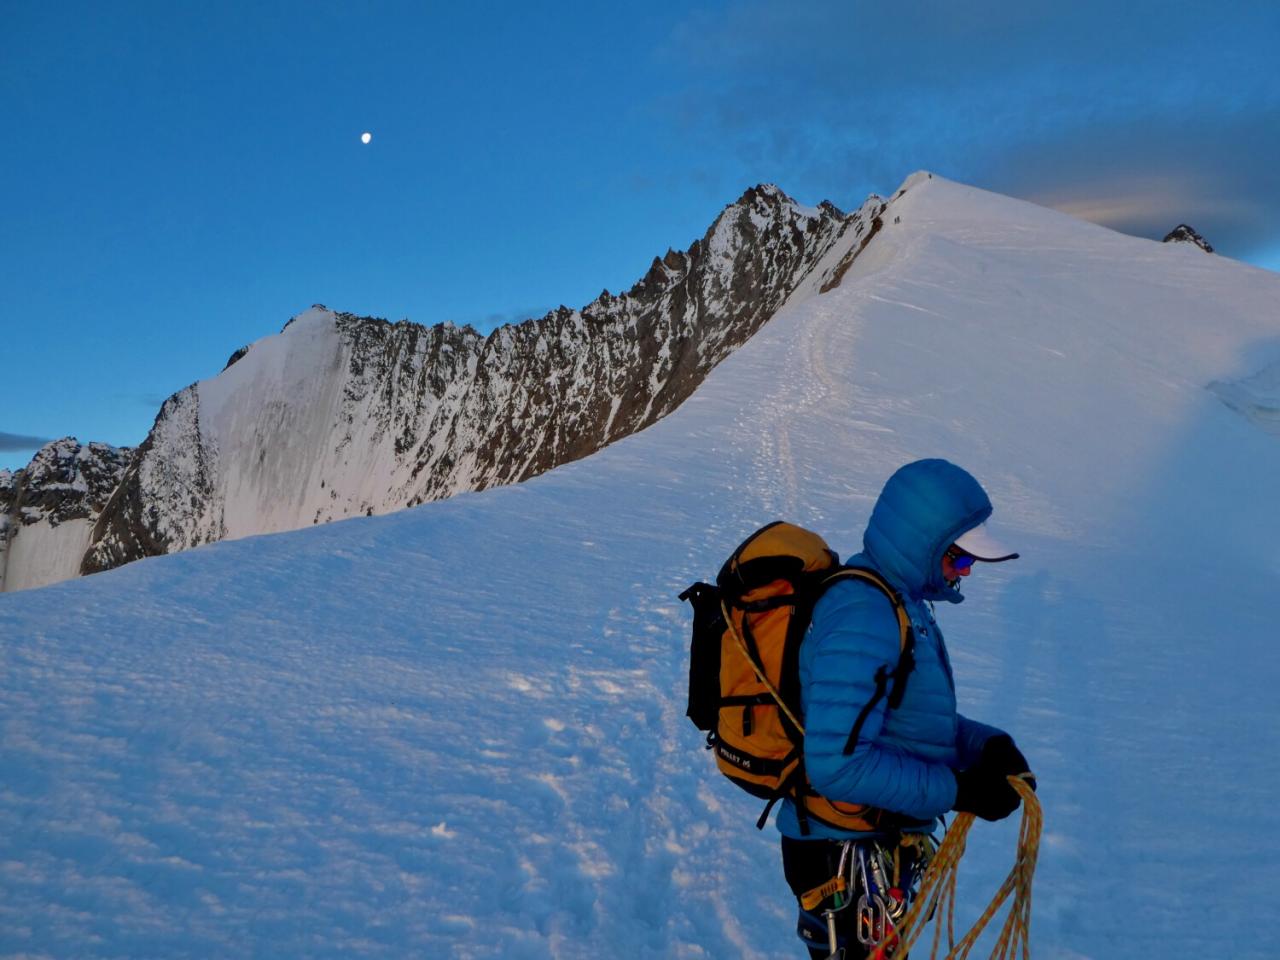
808 864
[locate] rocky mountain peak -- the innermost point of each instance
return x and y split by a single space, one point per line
67 480
1183 233
341 415
762 195
61 493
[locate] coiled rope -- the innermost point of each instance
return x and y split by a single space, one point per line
937 896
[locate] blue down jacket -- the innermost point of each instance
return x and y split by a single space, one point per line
904 758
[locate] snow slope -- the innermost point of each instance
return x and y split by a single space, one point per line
457 731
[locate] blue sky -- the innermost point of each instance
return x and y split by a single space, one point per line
181 179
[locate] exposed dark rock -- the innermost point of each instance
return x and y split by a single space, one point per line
1185 234
864 234
236 356
66 480
154 491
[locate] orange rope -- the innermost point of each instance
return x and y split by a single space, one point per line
937 894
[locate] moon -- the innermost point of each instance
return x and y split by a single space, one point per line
366 137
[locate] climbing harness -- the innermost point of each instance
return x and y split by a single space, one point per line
876 880
937 892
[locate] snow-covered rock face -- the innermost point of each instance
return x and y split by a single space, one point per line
340 415
1182 233
47 510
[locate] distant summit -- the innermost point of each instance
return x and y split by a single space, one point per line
48 509
1183 233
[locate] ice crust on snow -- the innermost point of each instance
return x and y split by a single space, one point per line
458 730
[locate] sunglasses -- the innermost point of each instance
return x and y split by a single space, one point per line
959 559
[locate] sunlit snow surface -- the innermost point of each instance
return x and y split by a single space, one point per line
458 731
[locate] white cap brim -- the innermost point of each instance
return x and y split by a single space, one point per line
981 545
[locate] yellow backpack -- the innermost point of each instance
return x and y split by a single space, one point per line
744 678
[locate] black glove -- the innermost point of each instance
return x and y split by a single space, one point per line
984 789
985 792
1001 753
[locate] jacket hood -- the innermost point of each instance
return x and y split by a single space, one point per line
922 509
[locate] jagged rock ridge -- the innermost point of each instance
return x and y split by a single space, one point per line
340 415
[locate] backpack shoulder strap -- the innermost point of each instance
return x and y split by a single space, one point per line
906 656
907 635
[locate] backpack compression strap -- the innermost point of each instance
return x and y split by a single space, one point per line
754 660
906 659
